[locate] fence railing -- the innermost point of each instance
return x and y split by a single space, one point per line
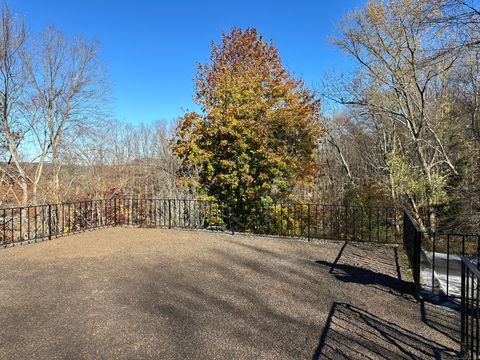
38 222
311 221
448 264
442 255
435 257
412 242
321 221
470 299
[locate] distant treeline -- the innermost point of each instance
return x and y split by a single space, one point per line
401 128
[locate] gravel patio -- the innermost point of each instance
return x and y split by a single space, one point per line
130 293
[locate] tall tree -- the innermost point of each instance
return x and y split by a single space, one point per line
68 90
49 85
405 61
12 90
257 132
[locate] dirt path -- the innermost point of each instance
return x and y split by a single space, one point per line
127 293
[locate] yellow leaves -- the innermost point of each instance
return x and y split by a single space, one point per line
246 178
375 10
257 132
446 108
227 164
410 181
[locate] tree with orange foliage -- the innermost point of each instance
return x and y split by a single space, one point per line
256 134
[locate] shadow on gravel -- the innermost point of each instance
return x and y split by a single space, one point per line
353 333
445 321
360 275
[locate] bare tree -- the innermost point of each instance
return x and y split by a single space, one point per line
401 77
131 160
68 91
12 88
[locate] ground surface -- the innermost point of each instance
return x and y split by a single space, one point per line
127 293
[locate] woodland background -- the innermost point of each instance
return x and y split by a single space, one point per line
401 128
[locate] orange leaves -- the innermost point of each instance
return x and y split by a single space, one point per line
258 131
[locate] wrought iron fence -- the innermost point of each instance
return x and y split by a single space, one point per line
470 299
445 262
442 255
412 242
320 221
38 222
435 257
311 221
33 223
172 213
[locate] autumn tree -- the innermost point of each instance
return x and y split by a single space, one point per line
256 134
404 64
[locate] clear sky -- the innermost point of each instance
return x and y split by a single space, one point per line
152 47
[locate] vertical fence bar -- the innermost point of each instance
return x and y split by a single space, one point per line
386 223
378 224
169 213
354 234
4 226
49 222
21 227
115 212
433 261
463 309
12 220
36 222
472 356
28 222
308 222
467 307
448 263
476 320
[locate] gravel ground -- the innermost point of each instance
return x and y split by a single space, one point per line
128 293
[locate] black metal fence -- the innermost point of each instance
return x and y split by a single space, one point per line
470 298
442 255
38 222
311 221
32 223
440 262
412 243
435 257
320 221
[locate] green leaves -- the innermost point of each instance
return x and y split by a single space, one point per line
257 131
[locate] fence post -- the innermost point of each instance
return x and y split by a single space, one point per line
308 222
49 222
412 243
169 213
345 228
463 309
418 250
232 220
21 227
114 211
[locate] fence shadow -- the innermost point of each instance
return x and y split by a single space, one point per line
353 333
442 319
363 276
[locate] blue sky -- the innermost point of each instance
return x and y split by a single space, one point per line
152 47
